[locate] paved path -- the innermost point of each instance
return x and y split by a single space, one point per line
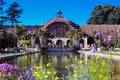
104 54
4 55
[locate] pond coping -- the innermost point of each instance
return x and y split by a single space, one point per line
103 54
15 54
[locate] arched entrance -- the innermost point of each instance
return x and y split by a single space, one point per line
69 43
49 43
59 43
81 42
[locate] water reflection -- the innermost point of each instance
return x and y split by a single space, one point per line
59 59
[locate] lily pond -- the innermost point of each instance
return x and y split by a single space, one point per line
59 66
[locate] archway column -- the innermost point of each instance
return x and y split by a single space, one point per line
32 42
85 42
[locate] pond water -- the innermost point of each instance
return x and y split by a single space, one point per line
59 59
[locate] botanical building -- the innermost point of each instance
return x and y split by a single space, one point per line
60 25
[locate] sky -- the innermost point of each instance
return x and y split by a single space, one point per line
38 12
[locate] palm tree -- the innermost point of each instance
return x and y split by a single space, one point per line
75 36
20 31
41 36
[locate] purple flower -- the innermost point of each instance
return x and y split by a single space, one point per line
9 70
72 65
93 50
110 37
93 57
105 40
97 35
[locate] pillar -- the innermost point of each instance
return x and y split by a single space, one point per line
85 42
32 42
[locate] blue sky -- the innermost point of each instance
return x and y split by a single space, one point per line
37 12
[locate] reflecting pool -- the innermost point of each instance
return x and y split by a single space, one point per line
59 59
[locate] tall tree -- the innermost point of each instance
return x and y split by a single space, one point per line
2 17
106 14
14 12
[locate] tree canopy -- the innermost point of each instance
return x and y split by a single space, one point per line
7 39
13 13
106 14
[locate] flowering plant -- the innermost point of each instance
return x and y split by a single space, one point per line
8 71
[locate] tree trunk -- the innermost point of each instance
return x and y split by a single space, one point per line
18 44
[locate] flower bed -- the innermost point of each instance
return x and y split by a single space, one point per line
95 68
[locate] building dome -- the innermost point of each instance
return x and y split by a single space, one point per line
59 25
60 19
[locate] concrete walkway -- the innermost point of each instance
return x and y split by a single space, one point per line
103 54
13 54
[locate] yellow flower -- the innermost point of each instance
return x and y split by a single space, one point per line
100 75
45 76
56 78
80 62
48 64
49 72
37 75
75 75
35 72
97 56
111 56
35 66
40 66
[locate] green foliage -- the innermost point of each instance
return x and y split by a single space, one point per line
43 33
20 31
7 39
106 14
24 42
14 12
44 72
95 69
74 34
49 44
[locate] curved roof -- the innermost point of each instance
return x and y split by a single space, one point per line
60 19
